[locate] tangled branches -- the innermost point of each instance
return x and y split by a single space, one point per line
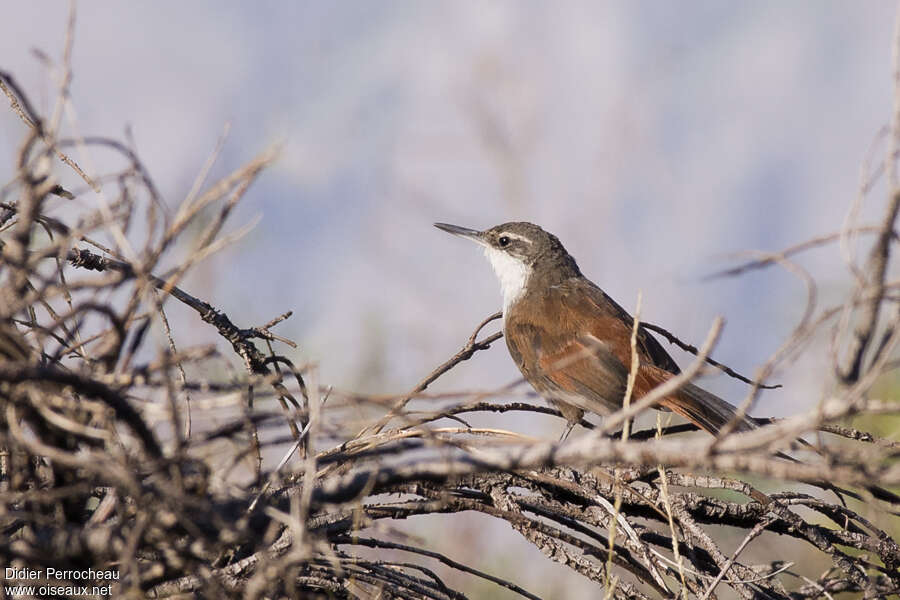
148 467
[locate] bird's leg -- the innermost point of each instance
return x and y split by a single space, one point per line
569 427
571 413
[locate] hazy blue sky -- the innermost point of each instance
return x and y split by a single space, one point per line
652 137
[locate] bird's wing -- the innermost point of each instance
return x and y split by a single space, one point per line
702 408
581 372
576 358
583 357
649 348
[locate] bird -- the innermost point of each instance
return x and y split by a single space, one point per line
572 341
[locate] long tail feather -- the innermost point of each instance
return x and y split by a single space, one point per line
705 410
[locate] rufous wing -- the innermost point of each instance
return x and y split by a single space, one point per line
582 355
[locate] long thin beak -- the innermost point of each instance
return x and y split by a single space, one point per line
464 232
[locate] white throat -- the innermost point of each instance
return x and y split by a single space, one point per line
512 273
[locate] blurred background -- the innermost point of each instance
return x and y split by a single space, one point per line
655 139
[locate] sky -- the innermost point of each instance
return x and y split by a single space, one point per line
655 139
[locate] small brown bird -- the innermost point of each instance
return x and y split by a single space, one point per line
553 317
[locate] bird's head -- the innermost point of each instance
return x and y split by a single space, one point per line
516 251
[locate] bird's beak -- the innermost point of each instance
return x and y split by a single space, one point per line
463 232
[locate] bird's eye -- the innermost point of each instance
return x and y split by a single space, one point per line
503 241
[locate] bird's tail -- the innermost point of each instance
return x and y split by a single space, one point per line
705 410
711 413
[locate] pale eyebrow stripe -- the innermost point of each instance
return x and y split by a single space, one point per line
516 236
